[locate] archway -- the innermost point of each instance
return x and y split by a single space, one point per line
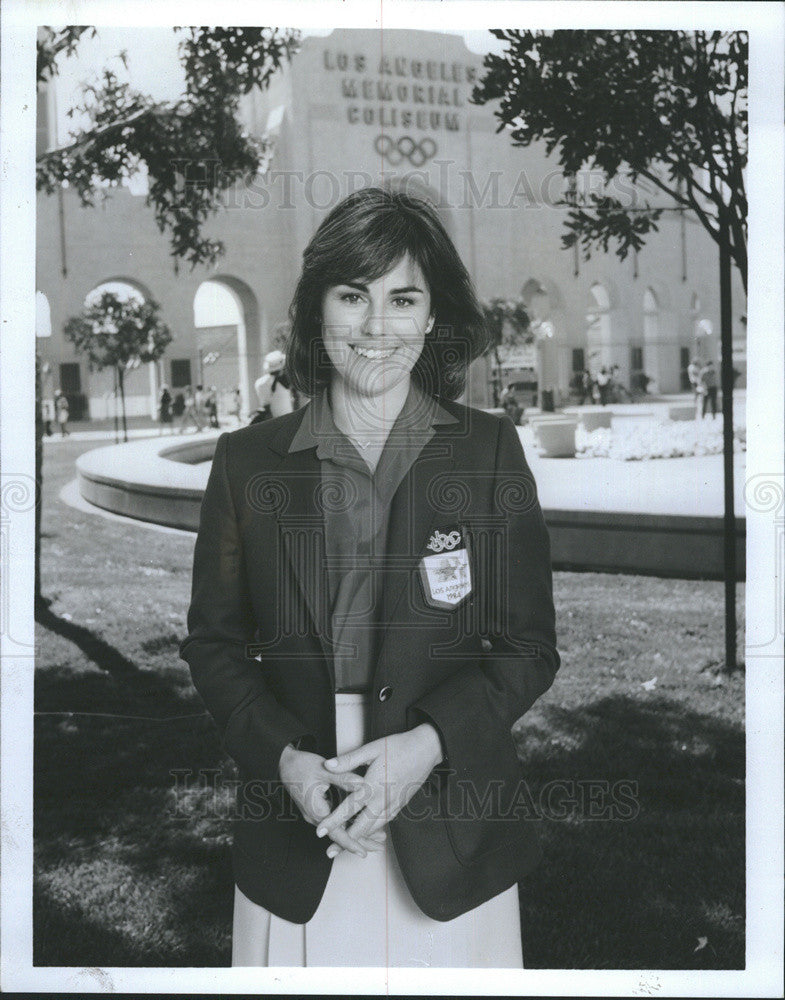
228 345
598 328
645 360
539 302
702 329
43 331
140 382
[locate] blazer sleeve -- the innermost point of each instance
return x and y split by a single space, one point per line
475 708
254 728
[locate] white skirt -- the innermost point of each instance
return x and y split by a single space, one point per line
367 916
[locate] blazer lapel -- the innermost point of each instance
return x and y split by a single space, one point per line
301 525
412 519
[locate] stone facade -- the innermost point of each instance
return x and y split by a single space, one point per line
358 107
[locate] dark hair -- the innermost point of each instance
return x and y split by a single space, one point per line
362 238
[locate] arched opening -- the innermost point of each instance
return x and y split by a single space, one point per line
651 317
228 348
537 300
140 381
598 328
542 350
43 316
43 331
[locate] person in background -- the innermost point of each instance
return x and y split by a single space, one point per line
273 389
200 400
236 404
211 405
708 379
178 405
48 415
694 375
583 383
510 403
61 411
164 408
602 385
190 412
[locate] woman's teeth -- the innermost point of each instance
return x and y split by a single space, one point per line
373 352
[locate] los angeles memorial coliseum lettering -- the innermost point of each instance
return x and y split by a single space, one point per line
407 93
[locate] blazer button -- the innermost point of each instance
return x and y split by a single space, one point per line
385 693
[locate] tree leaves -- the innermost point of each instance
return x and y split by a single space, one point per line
193 149
112 332
666 106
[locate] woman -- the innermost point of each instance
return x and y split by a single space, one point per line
371 613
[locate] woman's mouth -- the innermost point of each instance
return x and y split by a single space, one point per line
374 353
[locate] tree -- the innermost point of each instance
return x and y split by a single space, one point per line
508 324
119 333
192 149
662 109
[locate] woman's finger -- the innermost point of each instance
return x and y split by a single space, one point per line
348 780
314 804
375 842
349 761
350 806
340 836
367 822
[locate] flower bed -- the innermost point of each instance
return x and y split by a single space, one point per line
668 439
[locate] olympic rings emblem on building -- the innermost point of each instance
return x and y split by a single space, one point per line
395 151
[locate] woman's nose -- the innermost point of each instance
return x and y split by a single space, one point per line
373 324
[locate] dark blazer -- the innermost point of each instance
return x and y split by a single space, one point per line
259 654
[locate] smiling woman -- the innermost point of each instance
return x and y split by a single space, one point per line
371 613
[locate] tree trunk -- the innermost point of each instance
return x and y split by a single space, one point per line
726 381
121 382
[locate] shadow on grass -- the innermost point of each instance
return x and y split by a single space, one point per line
642 891
124 879
95 648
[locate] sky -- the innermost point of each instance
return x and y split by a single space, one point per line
154 69
153 65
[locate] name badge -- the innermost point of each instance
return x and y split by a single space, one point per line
446 572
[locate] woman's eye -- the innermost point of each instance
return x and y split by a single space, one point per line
351 297
402 301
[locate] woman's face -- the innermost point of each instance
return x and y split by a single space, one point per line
374 331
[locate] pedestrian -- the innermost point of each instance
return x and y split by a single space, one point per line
236 404
61 412
585 386
273 388
602 385
327 632
212 406
164 408
693 374
191 414
48 415
708 379
200 405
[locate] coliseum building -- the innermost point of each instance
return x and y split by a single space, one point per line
353 108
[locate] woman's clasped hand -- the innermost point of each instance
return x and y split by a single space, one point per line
397 766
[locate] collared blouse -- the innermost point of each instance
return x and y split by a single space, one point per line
356 507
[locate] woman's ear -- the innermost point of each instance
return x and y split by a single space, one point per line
431 321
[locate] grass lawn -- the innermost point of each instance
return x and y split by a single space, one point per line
122 877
